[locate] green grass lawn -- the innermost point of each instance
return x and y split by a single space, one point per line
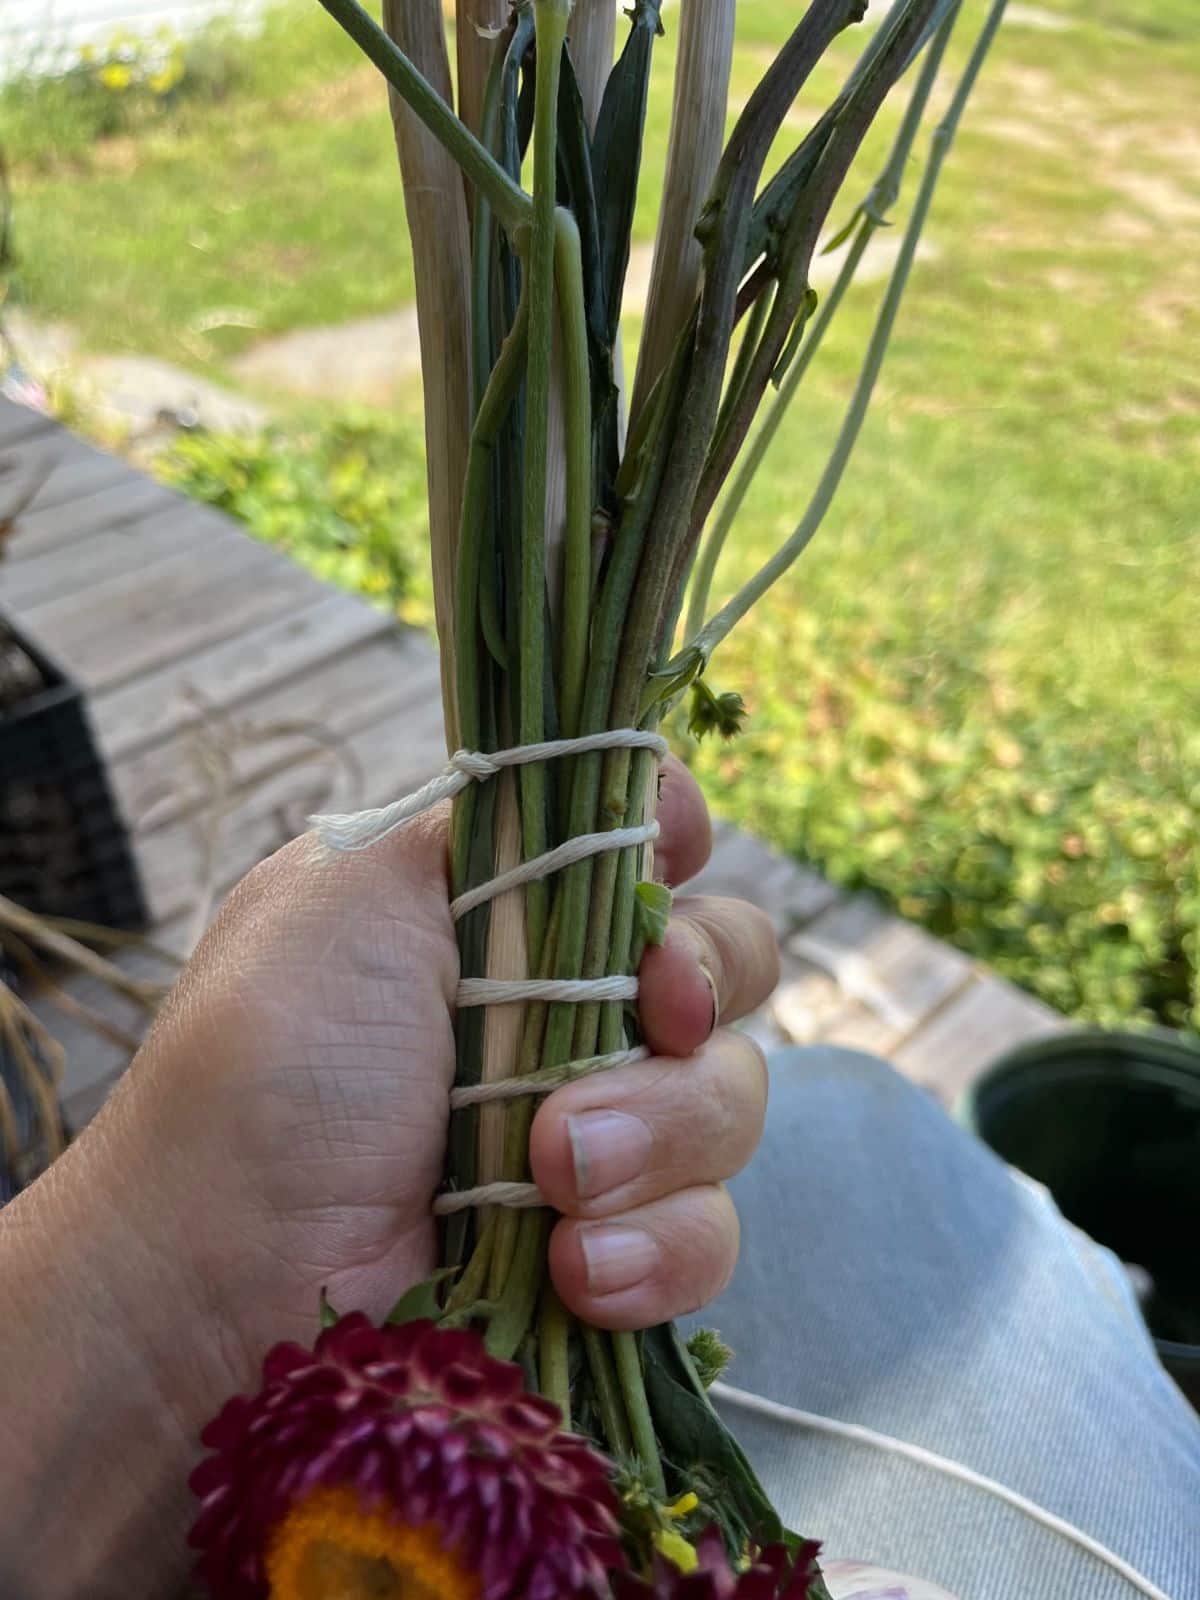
977 692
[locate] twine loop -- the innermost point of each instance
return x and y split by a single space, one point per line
360 830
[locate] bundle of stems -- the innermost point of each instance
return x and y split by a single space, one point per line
568 537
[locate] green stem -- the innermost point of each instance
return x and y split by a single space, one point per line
884 193
473 521
633 1386
750 593
609 1402
550 24
470 1286
577 548
553 1369
509 201
519 1296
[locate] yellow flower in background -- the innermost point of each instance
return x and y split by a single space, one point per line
116 75
168 75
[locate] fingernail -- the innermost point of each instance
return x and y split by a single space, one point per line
617 1257
608 1148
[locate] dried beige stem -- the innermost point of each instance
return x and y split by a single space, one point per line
31 928
65 1001
592 39
475 23
697 136
435 200
17 1023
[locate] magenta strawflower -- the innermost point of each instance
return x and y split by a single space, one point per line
405 1462
774 1574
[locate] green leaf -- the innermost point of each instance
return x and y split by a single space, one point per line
706 1456
576 184
328 1316
617 152
652 911
421 1302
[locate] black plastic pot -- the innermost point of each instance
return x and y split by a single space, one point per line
64 849
1110 1123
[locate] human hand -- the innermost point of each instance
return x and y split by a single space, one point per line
283 1130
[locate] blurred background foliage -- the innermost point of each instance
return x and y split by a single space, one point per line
977 693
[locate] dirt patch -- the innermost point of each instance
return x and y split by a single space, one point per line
359 89
1156 194
1033 135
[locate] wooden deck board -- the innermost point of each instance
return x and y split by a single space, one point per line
306 716
184 631
55 469
398 751
233 673
130 625
128 548
44 528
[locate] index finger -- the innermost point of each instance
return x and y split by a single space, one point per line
685 843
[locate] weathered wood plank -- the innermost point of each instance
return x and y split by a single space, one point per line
69 475
305 718
230 674
77 568
20 423
396 753
33 464
126 501
967 1035
789 893
891 967
125 627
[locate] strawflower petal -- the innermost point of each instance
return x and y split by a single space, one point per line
402 1456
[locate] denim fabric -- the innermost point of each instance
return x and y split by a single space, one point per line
895 1274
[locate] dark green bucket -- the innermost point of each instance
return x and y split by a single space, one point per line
1110 1123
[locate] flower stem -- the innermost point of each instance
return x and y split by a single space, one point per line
553 1374
736 608
883 196
516 1305
609 1402
577 557
633 1385
509 201
550 24
470 1286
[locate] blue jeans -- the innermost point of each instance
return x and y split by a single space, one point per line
895 1274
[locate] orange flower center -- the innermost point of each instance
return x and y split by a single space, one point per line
329 1548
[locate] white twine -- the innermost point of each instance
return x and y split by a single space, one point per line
478 1094
362 829
517 1196
856 1433
359 830
563 855
516 991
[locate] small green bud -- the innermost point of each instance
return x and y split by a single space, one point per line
710 1355
715 713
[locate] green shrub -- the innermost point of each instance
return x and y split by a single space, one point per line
1059 854
344 495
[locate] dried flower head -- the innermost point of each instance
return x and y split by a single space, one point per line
400 1461
774 1574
